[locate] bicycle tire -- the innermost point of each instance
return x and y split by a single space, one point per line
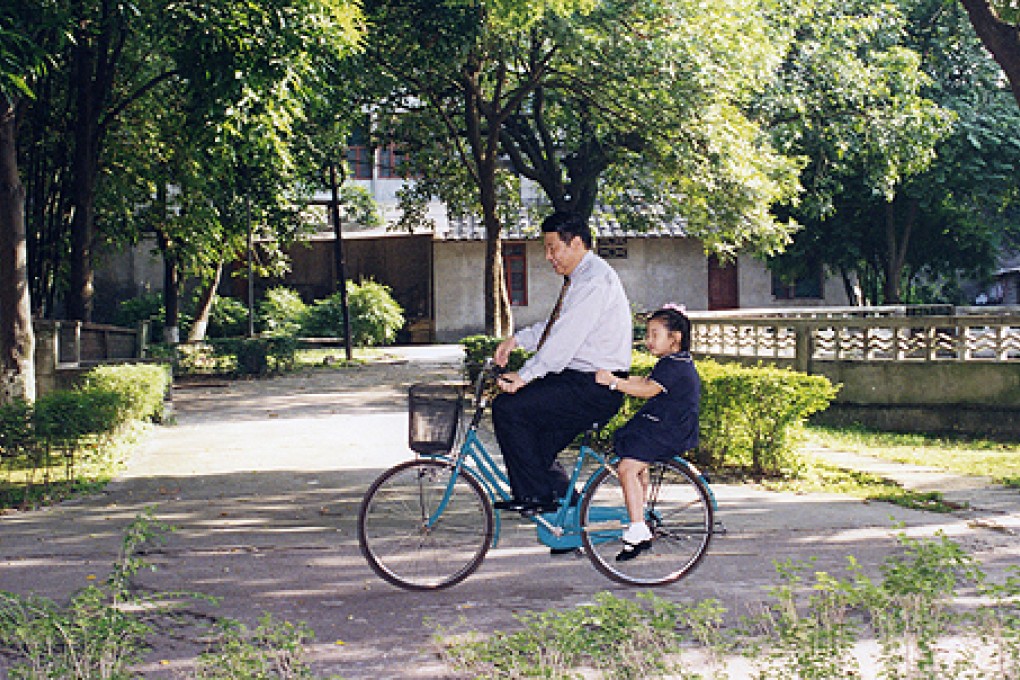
393 532
678 512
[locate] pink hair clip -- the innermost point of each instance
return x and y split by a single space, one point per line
675 307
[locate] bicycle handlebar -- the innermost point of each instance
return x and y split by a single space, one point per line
489 371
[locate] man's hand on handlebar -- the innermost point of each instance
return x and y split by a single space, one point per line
510 382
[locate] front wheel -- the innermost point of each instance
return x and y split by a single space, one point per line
678 511
423 526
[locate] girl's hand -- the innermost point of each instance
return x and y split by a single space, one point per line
604 377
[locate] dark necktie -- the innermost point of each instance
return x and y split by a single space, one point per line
555 313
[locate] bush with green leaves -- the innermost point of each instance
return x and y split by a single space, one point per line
142 388
146 307
749 414
68 422
375 316
255 356
228 318
281 311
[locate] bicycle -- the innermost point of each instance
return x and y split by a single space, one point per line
427 523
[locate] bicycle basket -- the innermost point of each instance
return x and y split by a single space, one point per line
433 416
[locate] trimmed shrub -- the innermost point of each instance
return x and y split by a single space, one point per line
17 433
257 356
66 416
748 414
142 388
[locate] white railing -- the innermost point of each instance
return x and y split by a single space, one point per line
860 334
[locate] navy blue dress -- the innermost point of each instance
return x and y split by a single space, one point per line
667 424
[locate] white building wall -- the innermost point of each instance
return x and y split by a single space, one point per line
755 288
655 271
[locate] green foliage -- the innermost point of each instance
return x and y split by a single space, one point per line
622 638
147 307
142 388
281 311
812 626
100 633
228 318
748 414
105 629
374 315
70 415
256 356
274 649
478 348
77 427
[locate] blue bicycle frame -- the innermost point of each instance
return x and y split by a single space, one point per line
558 529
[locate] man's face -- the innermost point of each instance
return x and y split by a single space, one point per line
564 257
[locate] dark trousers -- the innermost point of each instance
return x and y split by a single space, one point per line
538 421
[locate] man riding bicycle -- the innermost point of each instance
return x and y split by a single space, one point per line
554 396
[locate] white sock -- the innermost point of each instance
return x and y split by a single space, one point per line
637 532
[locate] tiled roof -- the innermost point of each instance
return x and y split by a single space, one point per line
471 229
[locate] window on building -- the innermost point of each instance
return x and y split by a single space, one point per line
359 162
390 162
805 286
612 248
359 153
515 267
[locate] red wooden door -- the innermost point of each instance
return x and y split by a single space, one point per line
722 284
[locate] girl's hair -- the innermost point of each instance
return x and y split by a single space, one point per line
675 321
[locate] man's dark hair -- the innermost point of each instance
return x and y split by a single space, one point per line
568 225
675 322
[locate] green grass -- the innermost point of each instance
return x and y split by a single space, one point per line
998 460
818 476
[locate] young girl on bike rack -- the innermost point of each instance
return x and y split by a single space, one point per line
666 425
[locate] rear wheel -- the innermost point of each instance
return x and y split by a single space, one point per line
678 512
419 531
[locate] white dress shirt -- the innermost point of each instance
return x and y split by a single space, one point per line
593 330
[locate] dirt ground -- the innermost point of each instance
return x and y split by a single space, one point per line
262 480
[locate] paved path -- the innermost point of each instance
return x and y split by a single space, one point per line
263 479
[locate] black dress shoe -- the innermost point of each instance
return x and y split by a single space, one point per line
563 551
632 550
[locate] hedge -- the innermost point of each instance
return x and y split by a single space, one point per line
748 413
86 417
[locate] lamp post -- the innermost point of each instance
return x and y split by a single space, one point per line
338 252
251 273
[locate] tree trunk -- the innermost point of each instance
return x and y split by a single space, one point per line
897 244
17 340
84 165
1001 39
205 303
485 151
